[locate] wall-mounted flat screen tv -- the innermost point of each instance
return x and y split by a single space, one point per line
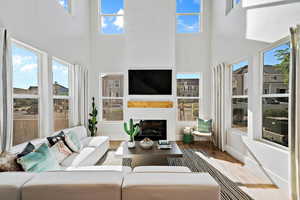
150 82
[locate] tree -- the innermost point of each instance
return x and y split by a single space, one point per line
284 57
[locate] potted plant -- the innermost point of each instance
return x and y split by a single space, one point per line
188 137
132 130
93 119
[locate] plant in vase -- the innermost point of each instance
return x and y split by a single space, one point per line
93 120
132 130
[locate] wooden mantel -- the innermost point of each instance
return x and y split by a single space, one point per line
150 104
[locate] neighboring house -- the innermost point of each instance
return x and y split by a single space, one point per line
273 81
59 89
188 87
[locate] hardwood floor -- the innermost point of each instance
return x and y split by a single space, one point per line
256 186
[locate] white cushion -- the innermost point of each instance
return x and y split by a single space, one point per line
80 131
161 169
101 168
197 133
170 186
11 184
74 186
76 159
94 141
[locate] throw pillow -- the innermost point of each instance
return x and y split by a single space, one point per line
60 151
28 149
8 162
204 126
56 138
40 160
73 141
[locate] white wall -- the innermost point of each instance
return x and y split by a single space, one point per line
47 26
241 34
150 41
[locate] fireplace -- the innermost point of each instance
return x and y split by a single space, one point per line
153 129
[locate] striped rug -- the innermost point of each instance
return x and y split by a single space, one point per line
229 190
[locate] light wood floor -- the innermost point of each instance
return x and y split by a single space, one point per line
256 186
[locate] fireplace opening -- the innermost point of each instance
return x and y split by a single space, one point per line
153 129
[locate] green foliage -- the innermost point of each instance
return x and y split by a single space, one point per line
284 57
131 129
93 119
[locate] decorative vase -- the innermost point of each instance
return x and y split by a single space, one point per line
131 144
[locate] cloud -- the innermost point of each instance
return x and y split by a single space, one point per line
62 69
103 24
119 22
28 67
19 60
188 28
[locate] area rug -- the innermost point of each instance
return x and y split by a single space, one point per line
190 159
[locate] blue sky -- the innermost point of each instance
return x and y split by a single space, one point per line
239 65
188 76
64 4
25 69
269 56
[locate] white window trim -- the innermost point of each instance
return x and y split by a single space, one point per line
200 97
69 97
111 98
100 15
39 79
238 96
259 137
201 21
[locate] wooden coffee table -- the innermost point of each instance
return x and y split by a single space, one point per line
153 156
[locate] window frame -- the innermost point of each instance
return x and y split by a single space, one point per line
62 97
201 21
37 96
111 98
199 98
238 96
100 15
259 136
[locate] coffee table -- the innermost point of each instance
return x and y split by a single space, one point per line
153 156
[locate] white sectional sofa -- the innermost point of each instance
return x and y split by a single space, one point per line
93 148
108 185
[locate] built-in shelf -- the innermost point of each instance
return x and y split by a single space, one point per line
150 104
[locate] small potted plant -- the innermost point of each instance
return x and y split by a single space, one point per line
93 119
132 130
188 137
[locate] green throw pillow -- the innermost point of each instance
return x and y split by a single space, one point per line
204 126
39 161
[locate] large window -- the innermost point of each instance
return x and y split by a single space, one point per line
61 94
66 4
239 111
188 16
275 94
112 97
188 96
111 16
26 66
